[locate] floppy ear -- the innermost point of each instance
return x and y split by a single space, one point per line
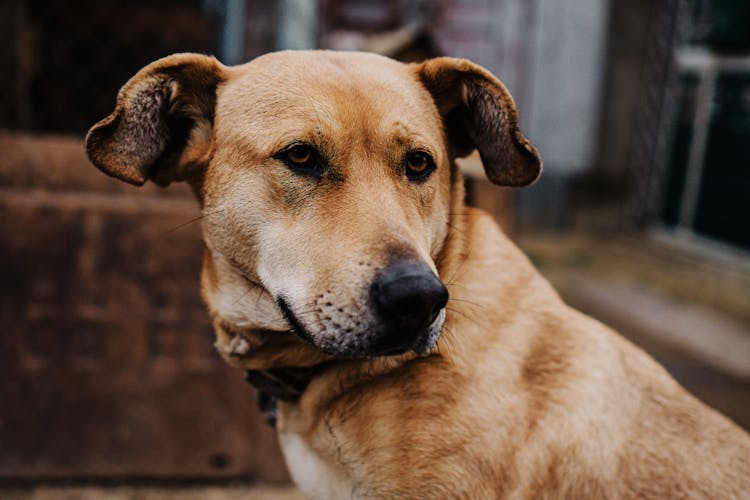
478 112
162 125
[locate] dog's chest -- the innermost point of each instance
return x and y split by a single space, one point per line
316 477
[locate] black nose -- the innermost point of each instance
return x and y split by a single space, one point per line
407 297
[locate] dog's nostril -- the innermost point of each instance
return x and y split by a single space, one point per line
408 294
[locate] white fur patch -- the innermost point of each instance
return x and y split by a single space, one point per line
314 477
280 270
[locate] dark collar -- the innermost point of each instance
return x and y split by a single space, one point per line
285 384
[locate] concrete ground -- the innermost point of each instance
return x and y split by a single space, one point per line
153 493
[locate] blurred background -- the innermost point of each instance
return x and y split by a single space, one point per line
108 378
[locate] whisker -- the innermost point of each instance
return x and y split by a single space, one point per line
466 257
467 301
456 229
304 313
467 214
447 340
307 313
244 294
457 284
455 280
261 291
195 219
463 314
445 327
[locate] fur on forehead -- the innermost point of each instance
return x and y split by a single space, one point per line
303 92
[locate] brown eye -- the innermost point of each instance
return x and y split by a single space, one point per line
418 165
299 155
301 159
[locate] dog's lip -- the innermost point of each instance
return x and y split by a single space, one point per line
422 345
298 330
295 326
395 351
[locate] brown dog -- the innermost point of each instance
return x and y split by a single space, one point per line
332 205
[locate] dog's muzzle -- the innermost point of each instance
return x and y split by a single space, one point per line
406 298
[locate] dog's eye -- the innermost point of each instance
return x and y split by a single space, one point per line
418 165
299 155
301 158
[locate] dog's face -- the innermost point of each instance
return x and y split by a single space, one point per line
326 179
333 183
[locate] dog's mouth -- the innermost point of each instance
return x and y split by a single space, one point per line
370 342
402 310
295 326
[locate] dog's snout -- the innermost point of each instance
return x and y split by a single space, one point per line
407 298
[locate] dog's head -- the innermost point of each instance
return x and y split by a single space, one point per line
326 179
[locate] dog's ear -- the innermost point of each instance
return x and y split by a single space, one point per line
479 112
162 126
